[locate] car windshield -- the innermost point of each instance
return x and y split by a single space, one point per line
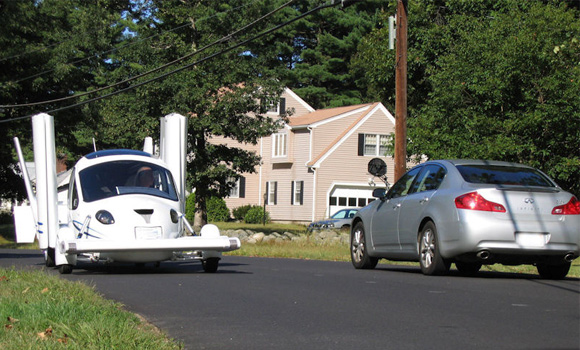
503 175
343 214
126 177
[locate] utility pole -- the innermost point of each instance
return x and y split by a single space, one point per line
401 91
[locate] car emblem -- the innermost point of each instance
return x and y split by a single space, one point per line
529 200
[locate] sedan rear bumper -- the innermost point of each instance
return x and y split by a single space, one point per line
480 236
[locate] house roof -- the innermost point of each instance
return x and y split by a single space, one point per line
322 114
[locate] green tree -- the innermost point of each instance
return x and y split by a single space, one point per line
320 48
489 79
49 51
221 96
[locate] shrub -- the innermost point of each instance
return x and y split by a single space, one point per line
217 210
240 212
190 208
255 215
6 217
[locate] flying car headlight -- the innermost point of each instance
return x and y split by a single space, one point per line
105 217
174 216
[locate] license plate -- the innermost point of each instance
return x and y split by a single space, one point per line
148 232
527 239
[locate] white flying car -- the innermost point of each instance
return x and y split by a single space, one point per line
122 205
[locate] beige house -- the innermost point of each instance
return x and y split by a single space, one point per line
317 163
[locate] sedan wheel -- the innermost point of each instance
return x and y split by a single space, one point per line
467 269
358 252
553 272
430 260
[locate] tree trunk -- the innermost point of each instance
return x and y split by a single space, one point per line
200 217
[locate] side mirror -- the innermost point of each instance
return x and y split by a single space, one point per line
379 193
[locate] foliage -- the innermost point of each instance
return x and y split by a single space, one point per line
190 207
256 215
221 96
488 79
48 52
217 210
240 212
5 217
320 48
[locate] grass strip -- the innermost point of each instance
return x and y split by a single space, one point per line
41 311
307 249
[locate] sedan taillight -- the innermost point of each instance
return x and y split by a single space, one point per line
474 201
570 208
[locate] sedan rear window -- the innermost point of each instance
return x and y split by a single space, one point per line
503 175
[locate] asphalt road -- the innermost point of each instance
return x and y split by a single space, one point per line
258 303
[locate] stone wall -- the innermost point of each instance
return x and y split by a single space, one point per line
318 237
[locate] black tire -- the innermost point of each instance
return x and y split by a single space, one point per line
553 272
358 250
65 269
49 257
429 257
210 265
467 269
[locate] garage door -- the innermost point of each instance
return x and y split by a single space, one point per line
342 197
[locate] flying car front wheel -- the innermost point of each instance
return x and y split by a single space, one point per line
210 264
65 269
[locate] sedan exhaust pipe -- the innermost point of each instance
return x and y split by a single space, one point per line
483 254
569 257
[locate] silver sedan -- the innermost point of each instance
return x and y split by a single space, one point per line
470 212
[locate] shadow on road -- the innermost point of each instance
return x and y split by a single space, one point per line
480 274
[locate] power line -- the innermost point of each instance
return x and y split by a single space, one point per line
221 40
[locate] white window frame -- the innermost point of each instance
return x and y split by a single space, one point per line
273 108
279 145
379 145
235 191
296 185
272 188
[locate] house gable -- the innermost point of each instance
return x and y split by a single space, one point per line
349 131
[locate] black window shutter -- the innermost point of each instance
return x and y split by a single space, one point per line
301 192
275 192
242 193
361 144
292 194
282 106
266 200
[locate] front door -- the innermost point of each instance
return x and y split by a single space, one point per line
384 222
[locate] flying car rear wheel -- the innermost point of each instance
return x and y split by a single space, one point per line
49 257
65 269
210 264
